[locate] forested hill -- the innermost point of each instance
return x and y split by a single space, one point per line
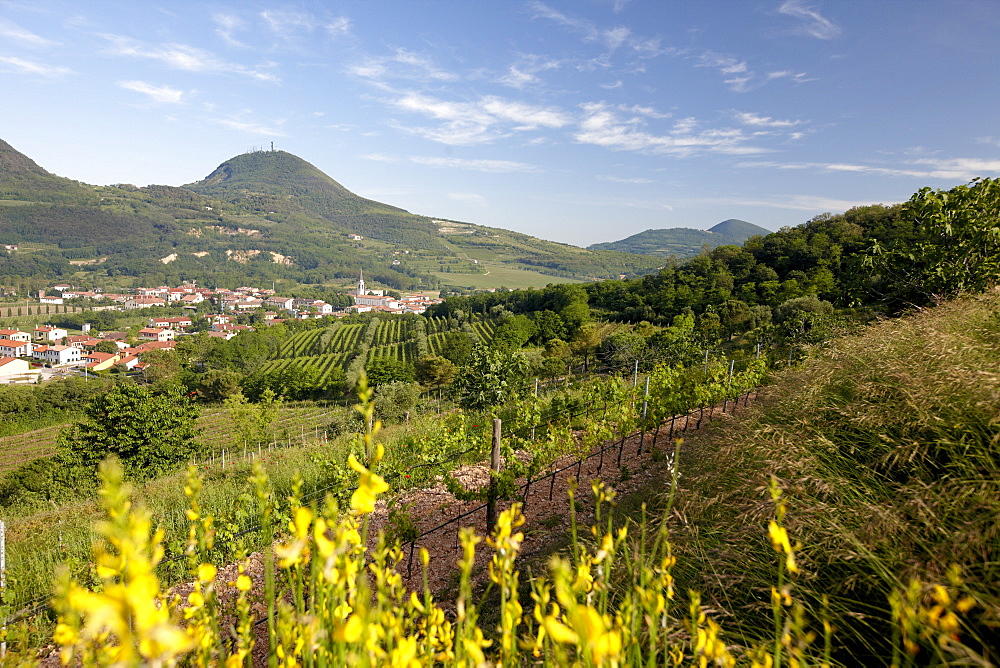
935 246
684 242
259 217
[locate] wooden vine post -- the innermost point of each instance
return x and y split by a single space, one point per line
491 499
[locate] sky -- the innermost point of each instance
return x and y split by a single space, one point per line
577 121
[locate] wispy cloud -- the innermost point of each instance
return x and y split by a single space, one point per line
11 30
226 27
477 165
22 66
339 27
161 94
814 203
184 57
468 198
404 65
811 22
489 166
618 179
962 169
251 127
478 122
601 126
612 39
286 24
756 120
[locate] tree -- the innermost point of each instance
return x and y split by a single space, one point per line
252 420
150 433
434 371
956 249
219 384
384 370
489 377
106 347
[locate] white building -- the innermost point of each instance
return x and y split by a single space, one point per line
57 355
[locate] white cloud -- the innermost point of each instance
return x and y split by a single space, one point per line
228 24
22 66
602 127
162 94
812 23
403 64
11 30
619 179
515 78
468 198
490 166
611 38
250 127
952 169
799 202
478 165
285 24
184 57
756 120
482 121
339 27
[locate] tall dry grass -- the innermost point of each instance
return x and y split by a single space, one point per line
888 448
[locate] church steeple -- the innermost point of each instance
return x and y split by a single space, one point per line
361 284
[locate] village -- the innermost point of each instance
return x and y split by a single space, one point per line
50 351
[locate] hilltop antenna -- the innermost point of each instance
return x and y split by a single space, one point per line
272 147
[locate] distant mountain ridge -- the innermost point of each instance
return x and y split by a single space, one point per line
684 242
260 216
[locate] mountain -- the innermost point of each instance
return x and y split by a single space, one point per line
684 242
259 217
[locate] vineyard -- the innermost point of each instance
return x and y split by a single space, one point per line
217 433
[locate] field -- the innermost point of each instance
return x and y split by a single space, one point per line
498 275
293 421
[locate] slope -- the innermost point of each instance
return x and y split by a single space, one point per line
262 216
684 242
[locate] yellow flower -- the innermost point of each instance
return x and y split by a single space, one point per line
370 485
779 538
206 572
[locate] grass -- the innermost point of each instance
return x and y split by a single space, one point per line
886 446
498 275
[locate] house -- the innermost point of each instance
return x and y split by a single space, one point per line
46 333
10 348
42 299
170 323
383 302
318 305
227 327
143 302
129 361
283 303
153 345
192 299
355 237
82 341
12 366
156 334
14 335
57 355
94 361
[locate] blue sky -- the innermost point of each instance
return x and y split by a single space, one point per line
573 121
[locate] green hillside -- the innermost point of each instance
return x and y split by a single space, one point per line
260 217
684 242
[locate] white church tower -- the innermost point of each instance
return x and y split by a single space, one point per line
361 284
